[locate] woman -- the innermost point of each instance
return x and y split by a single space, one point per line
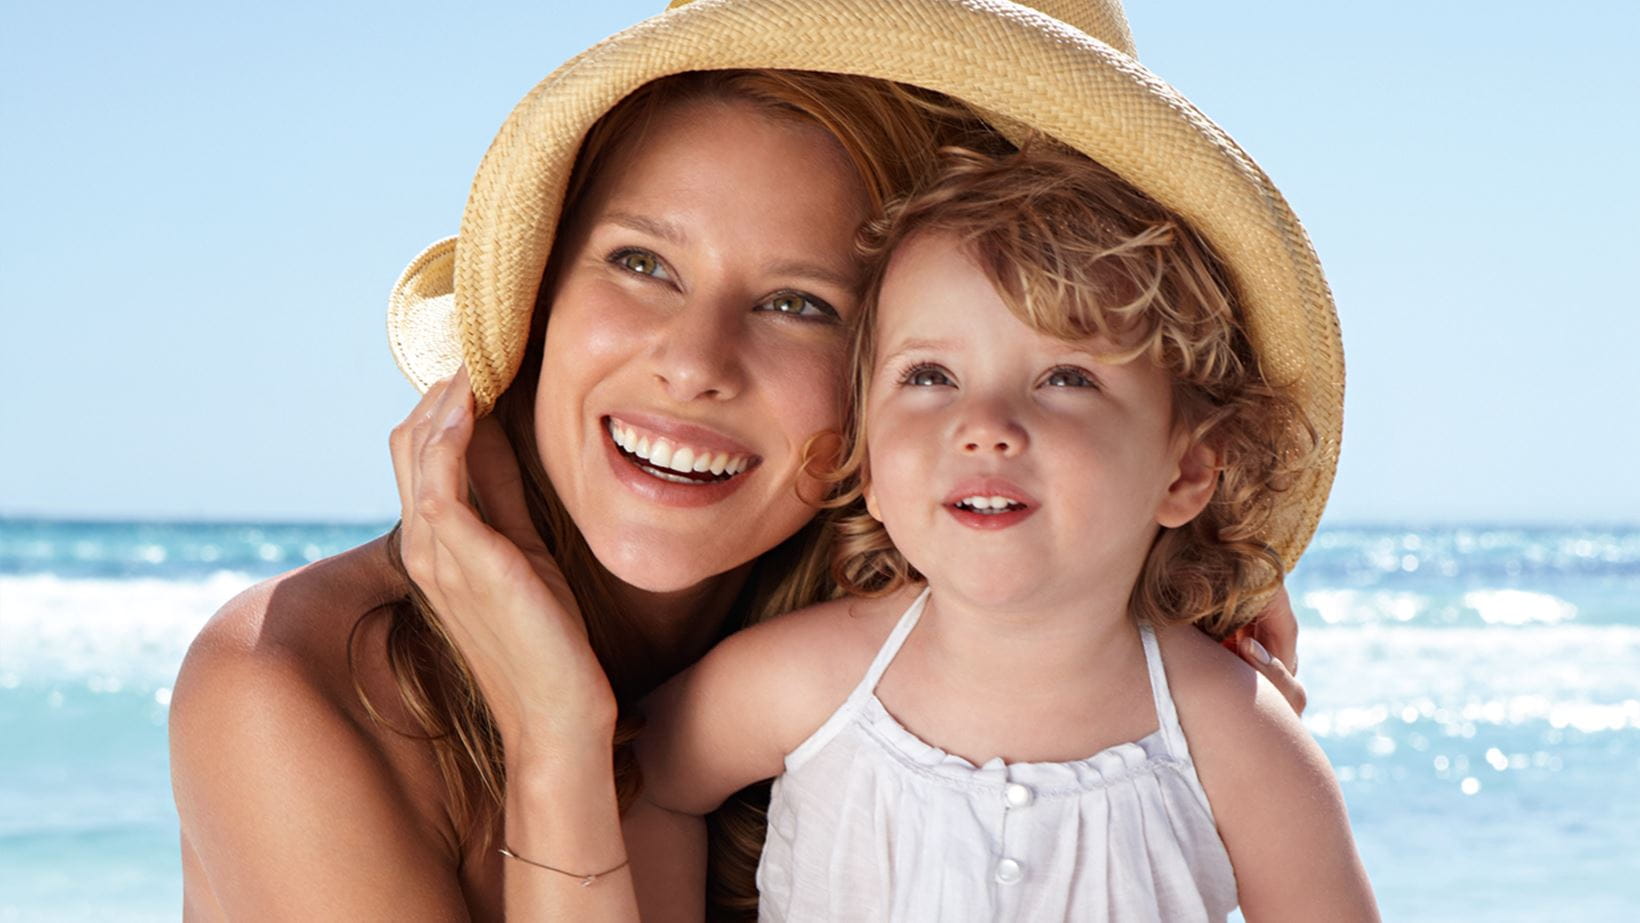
332 755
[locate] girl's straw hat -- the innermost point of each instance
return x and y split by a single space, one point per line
1064 67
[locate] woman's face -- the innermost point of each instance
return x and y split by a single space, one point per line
696 340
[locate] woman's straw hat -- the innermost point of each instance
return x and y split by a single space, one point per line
1065 67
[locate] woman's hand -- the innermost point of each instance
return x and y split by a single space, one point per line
499 594
1270 645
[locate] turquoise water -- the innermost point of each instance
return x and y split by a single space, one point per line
1477 689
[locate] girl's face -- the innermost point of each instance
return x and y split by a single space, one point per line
696 340
1013 468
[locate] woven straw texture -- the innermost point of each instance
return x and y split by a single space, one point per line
1065 67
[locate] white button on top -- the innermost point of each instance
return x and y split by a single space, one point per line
1017 796
1009 871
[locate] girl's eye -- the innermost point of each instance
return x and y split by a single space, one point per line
926 375
641 262
1069 377
796 304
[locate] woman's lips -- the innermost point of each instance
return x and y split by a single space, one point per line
681 453
674 464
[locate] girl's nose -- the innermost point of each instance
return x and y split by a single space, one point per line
697 354
988 428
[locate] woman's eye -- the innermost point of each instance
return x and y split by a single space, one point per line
926 376
641 262
1068 377
795 304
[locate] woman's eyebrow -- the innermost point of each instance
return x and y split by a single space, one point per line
654 227
814 272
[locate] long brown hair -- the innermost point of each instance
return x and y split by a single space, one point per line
890 133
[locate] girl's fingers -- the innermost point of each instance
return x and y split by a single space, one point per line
1275 671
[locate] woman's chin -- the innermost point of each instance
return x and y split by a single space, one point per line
666 566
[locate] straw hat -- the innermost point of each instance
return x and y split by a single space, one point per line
1065 67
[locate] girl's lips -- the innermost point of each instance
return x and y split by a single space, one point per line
989 503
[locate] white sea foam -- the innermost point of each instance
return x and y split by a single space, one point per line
108 634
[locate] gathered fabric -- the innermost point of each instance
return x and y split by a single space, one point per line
869 822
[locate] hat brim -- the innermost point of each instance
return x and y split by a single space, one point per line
1001 57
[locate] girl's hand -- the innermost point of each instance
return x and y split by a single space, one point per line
497 591
1270 644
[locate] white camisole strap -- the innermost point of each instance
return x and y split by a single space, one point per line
867 685
1167 716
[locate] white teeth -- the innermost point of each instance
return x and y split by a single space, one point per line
662 454
981 504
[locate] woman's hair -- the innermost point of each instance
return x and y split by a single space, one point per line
890 133
1076 252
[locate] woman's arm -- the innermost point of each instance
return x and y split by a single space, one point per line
509 611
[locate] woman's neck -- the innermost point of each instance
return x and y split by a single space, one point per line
677 627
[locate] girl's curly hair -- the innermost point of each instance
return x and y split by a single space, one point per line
1076 252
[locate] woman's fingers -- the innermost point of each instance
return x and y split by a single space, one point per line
1275 671
440 468
498 485
1276 628
401 440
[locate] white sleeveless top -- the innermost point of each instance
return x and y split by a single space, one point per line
868 822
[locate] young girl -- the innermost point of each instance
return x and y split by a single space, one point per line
1064 458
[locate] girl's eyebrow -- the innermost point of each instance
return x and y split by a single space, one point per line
921 345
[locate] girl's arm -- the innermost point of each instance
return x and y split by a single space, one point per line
719 726
1273 795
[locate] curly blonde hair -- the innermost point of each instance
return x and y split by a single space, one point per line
1075 252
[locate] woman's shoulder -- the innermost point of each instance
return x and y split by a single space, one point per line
271 744
299 642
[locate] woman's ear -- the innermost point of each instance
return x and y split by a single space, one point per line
1193 484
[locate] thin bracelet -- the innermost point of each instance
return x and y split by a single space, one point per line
586 880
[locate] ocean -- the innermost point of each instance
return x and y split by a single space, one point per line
1476 688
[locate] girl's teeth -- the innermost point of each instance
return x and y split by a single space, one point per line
703 462
719 462
683 459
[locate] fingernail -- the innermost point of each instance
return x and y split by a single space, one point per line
1257 650
458 406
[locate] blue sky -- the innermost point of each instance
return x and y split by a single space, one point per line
204 206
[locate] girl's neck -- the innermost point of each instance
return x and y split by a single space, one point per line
1047 645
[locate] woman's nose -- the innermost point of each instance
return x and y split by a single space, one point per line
990 428
697 354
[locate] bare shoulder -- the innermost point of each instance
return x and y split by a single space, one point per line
1274 797
270 744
